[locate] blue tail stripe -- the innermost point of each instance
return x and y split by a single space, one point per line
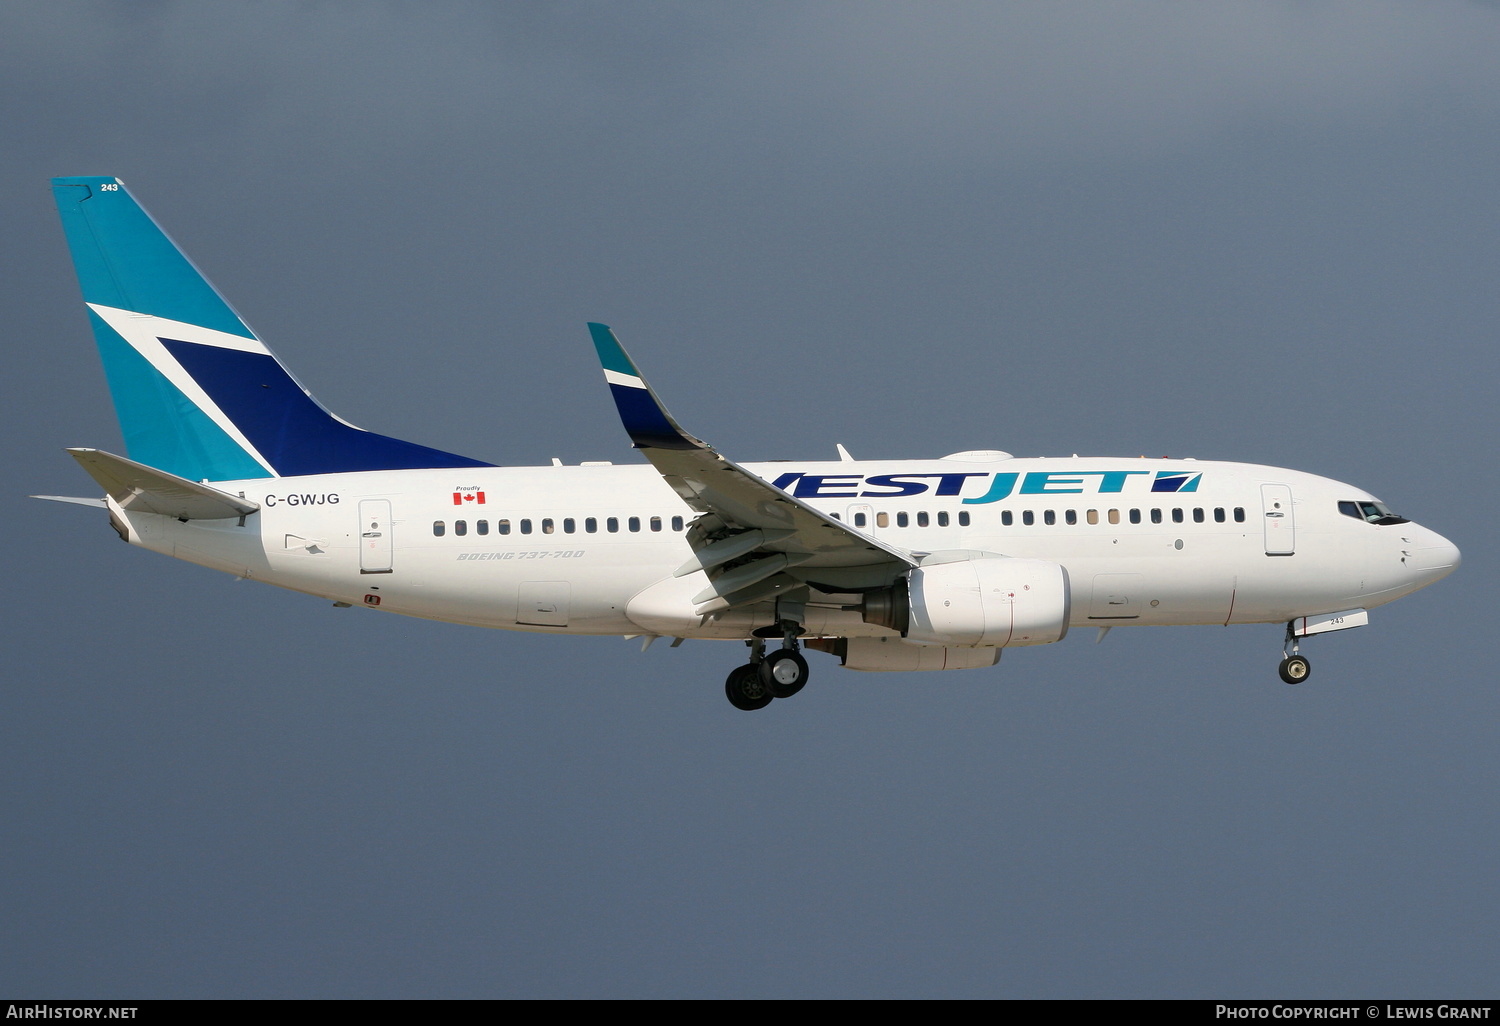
289 429
125 260
164 428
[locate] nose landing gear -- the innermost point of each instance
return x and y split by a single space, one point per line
1294 668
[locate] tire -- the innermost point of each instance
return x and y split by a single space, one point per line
784 672
1294 669
745 690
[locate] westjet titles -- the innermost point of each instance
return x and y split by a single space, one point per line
1000 486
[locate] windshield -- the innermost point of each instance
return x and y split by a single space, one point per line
1374 512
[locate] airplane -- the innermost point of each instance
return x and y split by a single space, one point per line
889 565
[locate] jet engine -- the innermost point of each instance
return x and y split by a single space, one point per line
990 602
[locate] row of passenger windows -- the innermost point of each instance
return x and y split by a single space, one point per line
548 525
1069 516
905 519
1135 516
634 525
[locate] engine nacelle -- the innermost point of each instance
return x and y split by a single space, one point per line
995 602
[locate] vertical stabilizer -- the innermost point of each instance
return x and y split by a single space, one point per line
197 394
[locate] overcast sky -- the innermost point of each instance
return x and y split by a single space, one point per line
1261 231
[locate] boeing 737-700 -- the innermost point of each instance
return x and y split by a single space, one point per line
902 565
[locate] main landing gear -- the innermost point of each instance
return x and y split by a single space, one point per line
1294 668
744 689
781 674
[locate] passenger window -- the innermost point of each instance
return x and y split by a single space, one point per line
942 518
882 520
612 525
859 520
922 519
547 525
656 523
1198 514
525 526
569 525
1239 514
1156 516
1135 516
1218 514
460 527
634 523
963 518
1071 517
1177 515
591 525
503 526
1093 516
1006 518
1114 516
1049 518
439 528
1028 518
902 520
677 523
482 527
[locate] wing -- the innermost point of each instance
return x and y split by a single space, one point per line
755 540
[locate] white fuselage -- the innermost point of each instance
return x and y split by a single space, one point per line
591 549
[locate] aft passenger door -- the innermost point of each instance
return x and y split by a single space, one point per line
375 536
1280 527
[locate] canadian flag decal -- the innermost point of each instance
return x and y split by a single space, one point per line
459 498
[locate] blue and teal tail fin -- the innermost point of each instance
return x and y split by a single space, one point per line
197 394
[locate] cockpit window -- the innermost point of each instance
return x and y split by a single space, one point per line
1371 512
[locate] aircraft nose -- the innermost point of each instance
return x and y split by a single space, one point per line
1432 554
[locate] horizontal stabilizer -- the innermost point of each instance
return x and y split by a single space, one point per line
136 487
80 500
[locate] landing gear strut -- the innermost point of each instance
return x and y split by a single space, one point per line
1294 668
780 674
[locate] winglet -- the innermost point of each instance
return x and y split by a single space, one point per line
646 420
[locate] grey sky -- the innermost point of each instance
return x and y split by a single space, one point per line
1257 231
